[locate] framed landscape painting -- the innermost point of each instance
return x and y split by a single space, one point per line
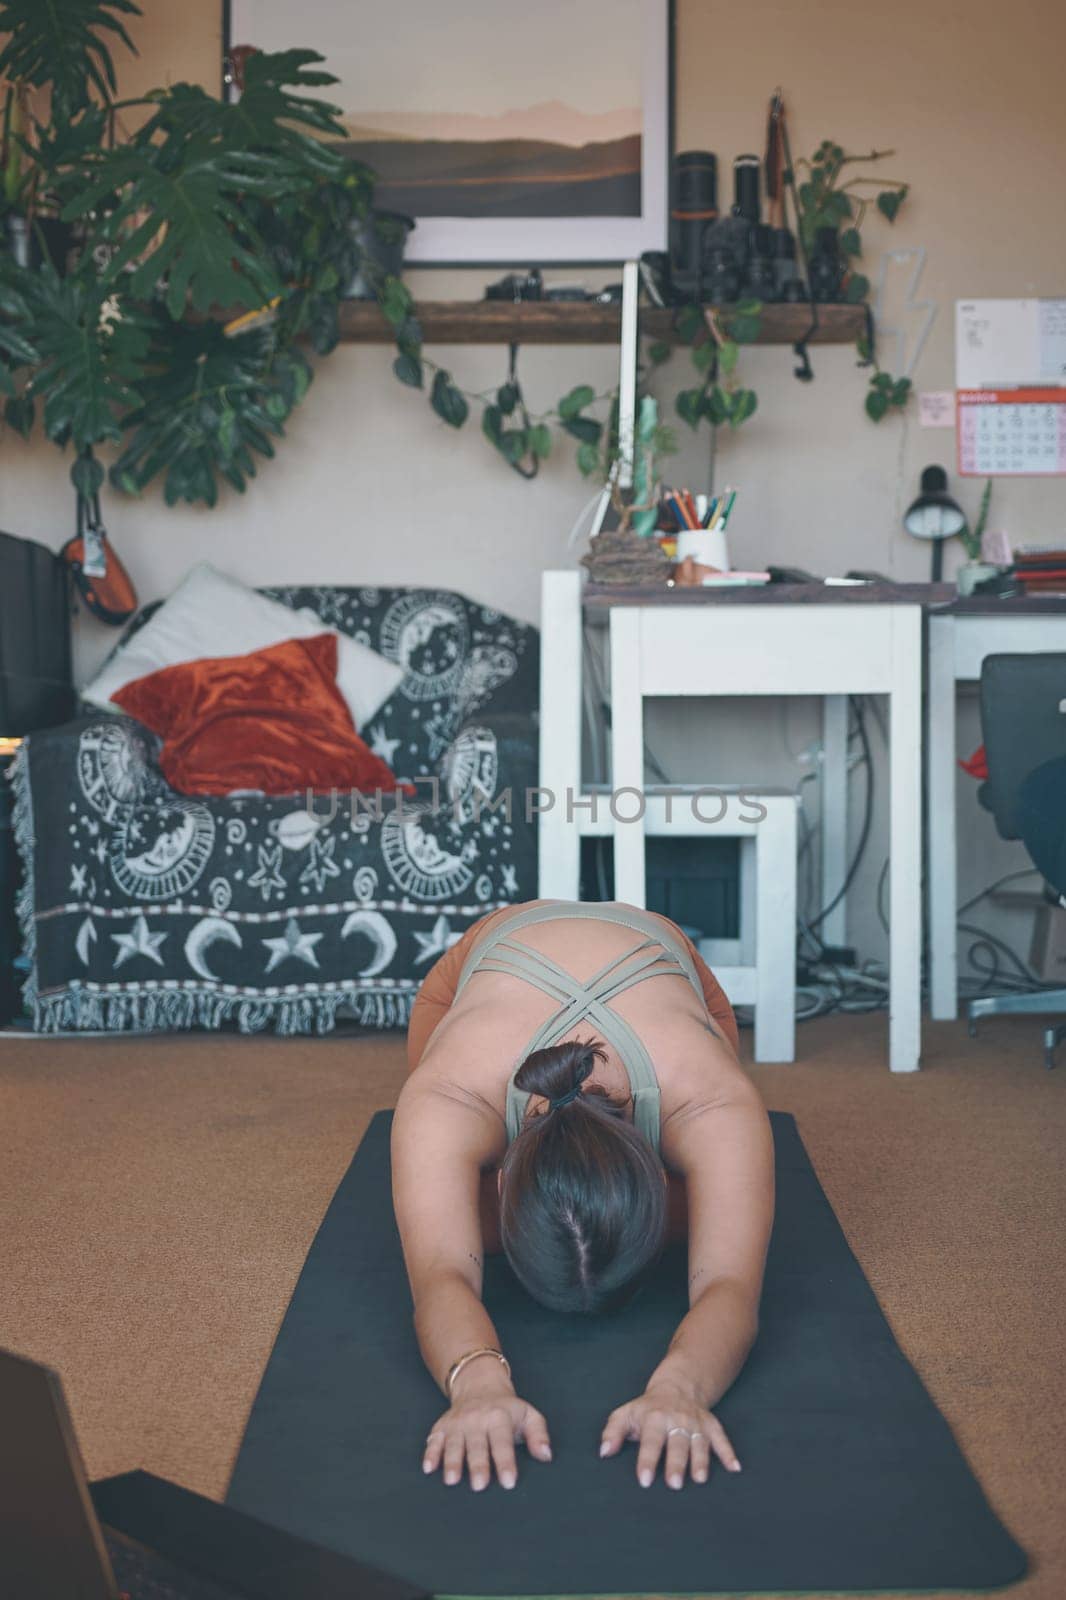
513 134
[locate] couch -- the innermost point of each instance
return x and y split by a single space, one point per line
142 908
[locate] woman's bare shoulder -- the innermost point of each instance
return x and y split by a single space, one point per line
457 1091
699 1070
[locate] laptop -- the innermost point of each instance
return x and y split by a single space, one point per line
137 1537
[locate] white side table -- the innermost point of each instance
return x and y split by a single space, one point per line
803 640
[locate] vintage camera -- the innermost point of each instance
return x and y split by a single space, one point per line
826 266
737 255
517 286
721 259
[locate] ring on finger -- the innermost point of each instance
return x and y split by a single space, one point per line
685 1431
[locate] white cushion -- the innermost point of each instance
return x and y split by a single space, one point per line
211 614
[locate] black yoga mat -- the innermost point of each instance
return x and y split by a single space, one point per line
851 1478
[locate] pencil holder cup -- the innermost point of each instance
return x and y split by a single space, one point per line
706 546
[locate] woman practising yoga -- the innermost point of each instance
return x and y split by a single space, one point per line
575 1097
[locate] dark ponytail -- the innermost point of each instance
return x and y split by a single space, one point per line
583 1199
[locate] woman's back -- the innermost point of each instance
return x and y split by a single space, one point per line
497 1015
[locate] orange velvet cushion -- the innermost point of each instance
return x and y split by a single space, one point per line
271 720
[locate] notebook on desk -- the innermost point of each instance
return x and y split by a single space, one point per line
137 1537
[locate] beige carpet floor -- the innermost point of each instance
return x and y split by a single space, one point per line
158 1197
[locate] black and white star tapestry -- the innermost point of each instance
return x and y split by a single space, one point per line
144 908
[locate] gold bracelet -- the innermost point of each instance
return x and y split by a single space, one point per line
472 1355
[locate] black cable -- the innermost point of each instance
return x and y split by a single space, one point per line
983 937
650 758
881 896
991 982
823 971
840 992
805 854
864 832
1009 877
992 977
1022 979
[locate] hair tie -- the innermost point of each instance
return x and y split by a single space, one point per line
565 1099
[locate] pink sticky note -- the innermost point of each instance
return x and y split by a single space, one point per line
936 408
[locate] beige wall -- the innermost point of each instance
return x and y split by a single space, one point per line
369 486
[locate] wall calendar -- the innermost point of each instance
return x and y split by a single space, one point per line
1011 432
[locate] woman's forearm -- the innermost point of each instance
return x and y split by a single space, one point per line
712 1343
450 1320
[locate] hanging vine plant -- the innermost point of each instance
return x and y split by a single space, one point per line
524 439
713 335
828 199
830 203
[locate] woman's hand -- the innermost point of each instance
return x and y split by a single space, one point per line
669 1415
480 1429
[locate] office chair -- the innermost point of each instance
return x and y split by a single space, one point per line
1023 718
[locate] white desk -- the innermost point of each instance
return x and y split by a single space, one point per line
959 641
693 642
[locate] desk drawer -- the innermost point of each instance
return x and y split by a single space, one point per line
764 650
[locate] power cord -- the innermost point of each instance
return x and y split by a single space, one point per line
603 705
1026 978
864 832
1010 877
829 986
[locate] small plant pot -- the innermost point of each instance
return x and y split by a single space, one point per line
973 573
381 236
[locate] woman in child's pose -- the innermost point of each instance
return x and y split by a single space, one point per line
575 1097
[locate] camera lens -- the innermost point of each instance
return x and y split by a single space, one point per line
694 209
696 183
746 188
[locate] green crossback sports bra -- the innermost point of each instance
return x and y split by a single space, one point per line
658 955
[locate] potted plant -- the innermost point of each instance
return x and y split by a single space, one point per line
630 553
33 231
974 571
209 207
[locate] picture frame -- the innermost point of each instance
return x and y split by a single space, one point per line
498 182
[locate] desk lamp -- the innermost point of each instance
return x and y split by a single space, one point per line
935 515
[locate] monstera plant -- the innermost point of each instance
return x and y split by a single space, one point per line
210 207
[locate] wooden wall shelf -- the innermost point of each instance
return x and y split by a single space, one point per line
577 322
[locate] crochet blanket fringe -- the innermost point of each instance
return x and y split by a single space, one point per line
75 1010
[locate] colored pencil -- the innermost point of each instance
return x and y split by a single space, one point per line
677 500
728 508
